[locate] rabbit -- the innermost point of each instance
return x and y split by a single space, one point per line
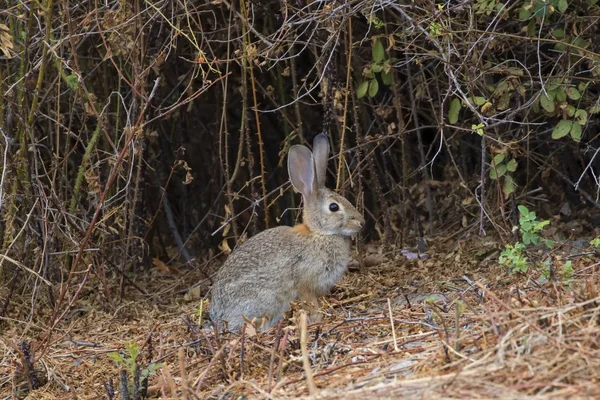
283 264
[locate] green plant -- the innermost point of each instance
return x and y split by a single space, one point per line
565 273
554 100
486 7
379 65
129 362
435 29
373 20
502 167
540 8
514 257
478 128
595 242
530 227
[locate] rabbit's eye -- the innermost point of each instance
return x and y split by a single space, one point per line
333 207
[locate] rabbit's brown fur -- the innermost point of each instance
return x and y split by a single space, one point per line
262 276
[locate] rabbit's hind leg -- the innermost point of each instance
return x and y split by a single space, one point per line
270 320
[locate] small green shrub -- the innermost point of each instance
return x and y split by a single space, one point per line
514 256
565 273
129 362
381 66
530 227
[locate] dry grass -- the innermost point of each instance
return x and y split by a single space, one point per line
485 334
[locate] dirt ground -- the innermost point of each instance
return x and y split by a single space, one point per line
451 324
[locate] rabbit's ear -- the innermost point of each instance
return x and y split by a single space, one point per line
301 170
321 154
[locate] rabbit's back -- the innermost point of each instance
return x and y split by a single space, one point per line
256 279
280 265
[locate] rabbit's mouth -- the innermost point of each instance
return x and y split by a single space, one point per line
352 228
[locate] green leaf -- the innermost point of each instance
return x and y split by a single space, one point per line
435 28
562 5
581 116
526 238
547 103
560 46
532 28
362 89
511 165
479 100
498 158
562 129
558 33
524 14
541 224
561 95
377 67
540 9
509 185
530 216
576 132
377 51
501 169
376 21
524 211
453 111
386 78
133 349
579 42
552 85
373 88
478 129
570 110
115 357
72 81
573 93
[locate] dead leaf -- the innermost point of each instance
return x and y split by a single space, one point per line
224 247
373 259
161 266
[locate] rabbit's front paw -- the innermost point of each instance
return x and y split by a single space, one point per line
314 316
311 304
